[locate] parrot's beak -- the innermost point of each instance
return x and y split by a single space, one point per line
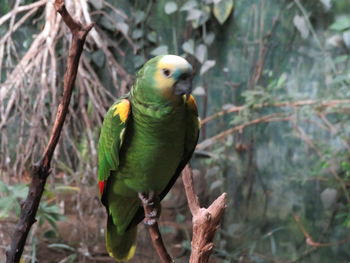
183 85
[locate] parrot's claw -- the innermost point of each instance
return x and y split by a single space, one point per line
153 213
148 200
150 221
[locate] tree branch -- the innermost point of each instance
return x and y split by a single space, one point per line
148 202
239 128
310 241
41 171
292 104
205 220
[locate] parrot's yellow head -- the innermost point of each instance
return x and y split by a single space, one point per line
165 77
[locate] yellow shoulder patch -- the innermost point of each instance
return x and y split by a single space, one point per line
122 109
191 102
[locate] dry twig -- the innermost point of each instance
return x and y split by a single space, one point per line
205 220
291 104
239 128
31 80
41 171
310 241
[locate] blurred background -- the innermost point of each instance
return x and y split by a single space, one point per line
272 85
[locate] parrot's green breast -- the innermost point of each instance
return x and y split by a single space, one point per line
153 148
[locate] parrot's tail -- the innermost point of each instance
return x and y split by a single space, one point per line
120 246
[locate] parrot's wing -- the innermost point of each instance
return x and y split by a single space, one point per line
111 139
192 135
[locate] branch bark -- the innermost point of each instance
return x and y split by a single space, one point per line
41 170
205 220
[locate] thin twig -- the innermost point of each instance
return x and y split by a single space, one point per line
311 242
19 9
41 171
239 128
292 104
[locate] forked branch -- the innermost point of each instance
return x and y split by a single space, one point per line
205 220
41 170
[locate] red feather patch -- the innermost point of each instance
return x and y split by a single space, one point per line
101 185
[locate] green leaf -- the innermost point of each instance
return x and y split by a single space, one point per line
170 7
123 27
104 22
341 23
300 23
137 33
199 91
50 234
188 5
346 38
282 80
161 50
273 245
327 4
341 59
3 187
207 65
188 46
61 246
152 37
222 10
139 16
193 15
209 38
345 166
201 53
138 61
6 204
19 191
98 58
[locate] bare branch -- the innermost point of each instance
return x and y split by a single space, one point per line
310 241
239 128
19 9
41 171
292 104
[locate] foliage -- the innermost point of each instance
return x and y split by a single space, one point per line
276 71
10 204
10 196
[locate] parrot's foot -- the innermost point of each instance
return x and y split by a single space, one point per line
149 201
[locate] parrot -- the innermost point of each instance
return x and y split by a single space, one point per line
147 138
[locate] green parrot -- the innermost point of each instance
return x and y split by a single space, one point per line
147 138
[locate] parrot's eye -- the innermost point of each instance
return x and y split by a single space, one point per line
166 72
